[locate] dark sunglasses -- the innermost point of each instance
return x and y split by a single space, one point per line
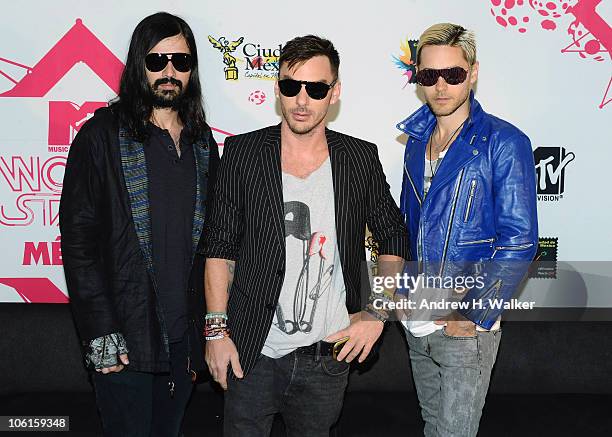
452 76
315 90
157 61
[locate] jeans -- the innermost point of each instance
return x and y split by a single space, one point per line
138 404
307 390
451 376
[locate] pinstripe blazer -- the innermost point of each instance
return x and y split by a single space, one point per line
246 224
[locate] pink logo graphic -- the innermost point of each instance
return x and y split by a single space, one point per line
66 118
37 181
591 35
35 290
257 97
79 44
224 134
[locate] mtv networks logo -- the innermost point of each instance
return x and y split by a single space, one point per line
78 45
259 62
550 164
65 121
544 264
407 60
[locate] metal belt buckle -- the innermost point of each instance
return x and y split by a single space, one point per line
337 347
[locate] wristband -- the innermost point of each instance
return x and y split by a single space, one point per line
215 315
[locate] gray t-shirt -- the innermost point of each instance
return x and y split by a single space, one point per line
312 303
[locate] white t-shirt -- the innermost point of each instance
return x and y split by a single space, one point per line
312 302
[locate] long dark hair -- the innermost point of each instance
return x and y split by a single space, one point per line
133 104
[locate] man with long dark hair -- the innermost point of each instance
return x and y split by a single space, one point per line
131 217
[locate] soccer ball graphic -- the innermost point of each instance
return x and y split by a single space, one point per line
257 97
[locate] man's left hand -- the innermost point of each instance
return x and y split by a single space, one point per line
363 332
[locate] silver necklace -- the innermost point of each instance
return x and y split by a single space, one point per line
443 149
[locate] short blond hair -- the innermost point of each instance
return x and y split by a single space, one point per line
449 34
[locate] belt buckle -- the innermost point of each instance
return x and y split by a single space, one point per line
337 347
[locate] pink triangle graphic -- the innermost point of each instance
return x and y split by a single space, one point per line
79 44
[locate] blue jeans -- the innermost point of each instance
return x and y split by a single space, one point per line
451 376
307 390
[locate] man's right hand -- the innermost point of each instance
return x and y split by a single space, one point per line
219 354
118 368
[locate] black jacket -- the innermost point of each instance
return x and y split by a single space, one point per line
106 243
246 224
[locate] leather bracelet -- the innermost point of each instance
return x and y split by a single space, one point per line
217 334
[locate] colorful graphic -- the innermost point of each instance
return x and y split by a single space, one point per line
545 261
591 35
77 45
227 48
407 60
316 267
65 120
550 164
32 290
257 97
259 62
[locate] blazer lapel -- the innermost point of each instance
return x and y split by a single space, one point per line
201 153
414 165
134 168
340 177
272 182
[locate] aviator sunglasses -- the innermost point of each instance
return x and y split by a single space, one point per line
452 76
315 90
157 61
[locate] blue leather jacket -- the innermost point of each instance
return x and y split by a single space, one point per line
479 216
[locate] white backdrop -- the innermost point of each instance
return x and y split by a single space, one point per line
544 66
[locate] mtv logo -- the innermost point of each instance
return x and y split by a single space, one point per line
67 118
550 163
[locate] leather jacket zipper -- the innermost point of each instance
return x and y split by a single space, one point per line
470 200
517 247
468 243
419 237
451 219
418 196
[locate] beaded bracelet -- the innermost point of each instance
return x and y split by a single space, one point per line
215 315
216 334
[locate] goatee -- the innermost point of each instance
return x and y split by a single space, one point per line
161 98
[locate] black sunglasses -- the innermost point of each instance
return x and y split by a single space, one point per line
315 90
452 76
157 61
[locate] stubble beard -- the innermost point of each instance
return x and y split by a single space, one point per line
449 111
300 128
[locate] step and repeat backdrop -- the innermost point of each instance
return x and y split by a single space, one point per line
545 66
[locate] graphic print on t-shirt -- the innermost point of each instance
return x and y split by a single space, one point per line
315 275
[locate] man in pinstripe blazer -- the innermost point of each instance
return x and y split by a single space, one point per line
285 244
